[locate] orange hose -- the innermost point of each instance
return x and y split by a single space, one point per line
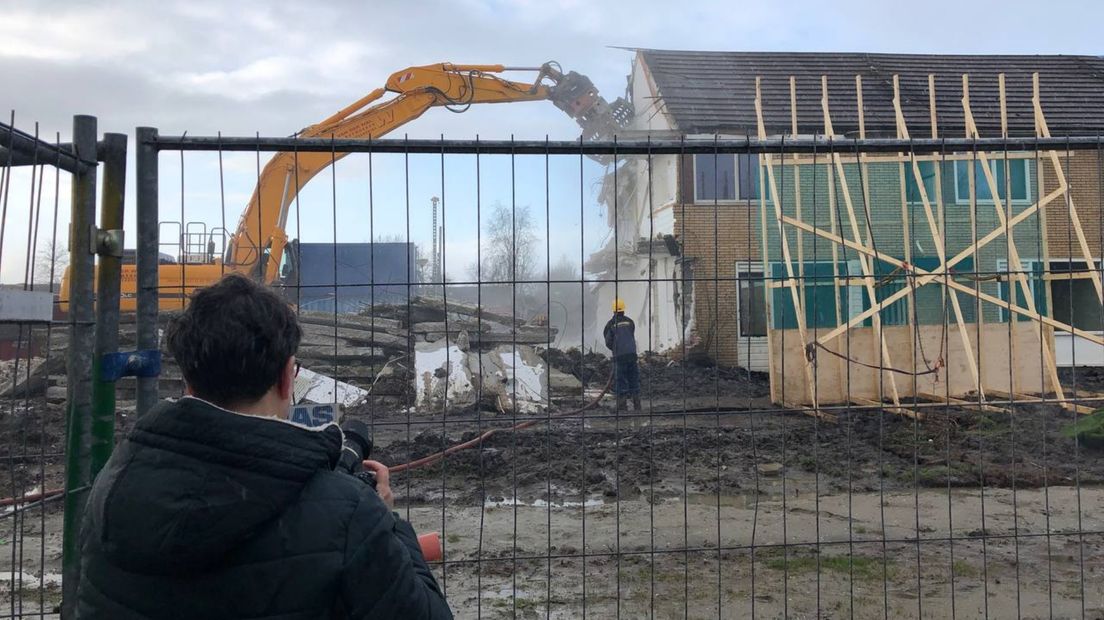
471 443
9 501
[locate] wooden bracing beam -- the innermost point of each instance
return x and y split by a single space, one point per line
1014 263
896 408
1043 130
937 237
961 402
933 212
799 307
925 277
864 260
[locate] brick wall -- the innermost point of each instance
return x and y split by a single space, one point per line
714 271
1082 169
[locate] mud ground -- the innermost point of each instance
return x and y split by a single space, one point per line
708 497
630 454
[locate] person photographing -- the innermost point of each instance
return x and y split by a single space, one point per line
216 506
620 336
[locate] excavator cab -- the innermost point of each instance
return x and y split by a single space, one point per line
288 277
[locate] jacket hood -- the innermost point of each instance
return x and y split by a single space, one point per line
192 482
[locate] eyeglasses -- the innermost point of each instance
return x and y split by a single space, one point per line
295 401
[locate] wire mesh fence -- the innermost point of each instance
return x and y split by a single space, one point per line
913 463
867 368
35 175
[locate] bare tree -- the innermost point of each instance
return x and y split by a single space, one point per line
391 238
509 246
51 258
564 270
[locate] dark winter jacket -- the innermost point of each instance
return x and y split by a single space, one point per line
620 334
206 513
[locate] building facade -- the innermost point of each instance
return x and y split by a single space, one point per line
699 258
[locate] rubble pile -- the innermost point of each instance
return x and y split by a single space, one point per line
420 354
402 354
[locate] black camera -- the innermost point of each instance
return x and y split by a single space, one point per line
356 447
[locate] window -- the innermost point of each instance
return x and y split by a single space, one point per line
751 302
1075 300
1019 183
820 296
725 177
1033 269
927 175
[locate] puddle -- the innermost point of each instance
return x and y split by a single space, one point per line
540 503
741 500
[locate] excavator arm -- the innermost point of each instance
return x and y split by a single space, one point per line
258 244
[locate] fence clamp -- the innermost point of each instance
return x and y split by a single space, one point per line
107 242
115 366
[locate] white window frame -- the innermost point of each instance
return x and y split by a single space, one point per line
745 267
993 161
736 177
1014 285
1096 263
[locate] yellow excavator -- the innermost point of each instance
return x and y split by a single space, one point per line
258 246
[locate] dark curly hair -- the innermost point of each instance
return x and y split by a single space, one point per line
233 340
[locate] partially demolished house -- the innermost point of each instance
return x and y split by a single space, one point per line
708 232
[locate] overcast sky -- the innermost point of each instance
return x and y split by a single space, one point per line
274 66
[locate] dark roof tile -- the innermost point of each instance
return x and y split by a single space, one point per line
707 92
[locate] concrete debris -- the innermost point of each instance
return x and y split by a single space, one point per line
441 376
381 354
56 394
17 379
507 378
315 387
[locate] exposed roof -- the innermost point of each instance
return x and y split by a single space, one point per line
707 92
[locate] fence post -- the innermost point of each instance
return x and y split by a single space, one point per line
148 254
78 472
109 248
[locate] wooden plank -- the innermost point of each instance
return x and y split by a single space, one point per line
890 158
797 190
960 402
799 308
905 411
906 237
924 278
355 335
1075 219
1003 105
832 207
1027 398
937 238
343 354
1088 394
815 413
349 320
859 346
1014 263
932 108
864 261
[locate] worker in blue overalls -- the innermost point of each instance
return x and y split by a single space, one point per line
620 335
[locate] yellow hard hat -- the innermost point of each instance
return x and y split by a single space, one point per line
618 305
